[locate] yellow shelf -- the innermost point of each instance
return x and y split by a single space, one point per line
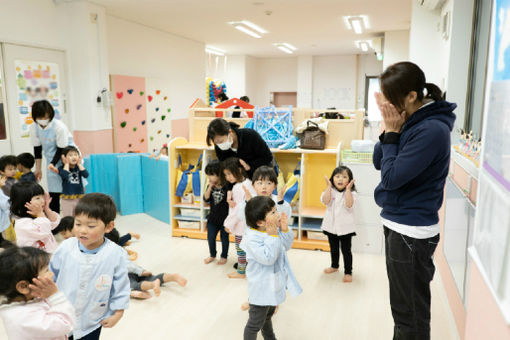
314 212
187 205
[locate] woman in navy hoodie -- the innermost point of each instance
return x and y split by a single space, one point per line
413 155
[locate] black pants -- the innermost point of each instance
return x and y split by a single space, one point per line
335 242
410 269
91 336
260 319
55 202
212 232
124 239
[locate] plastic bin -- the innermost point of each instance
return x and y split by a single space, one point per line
348 156
190 212
189 224
316 235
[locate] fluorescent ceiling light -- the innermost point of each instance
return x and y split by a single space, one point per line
285 49
289 46
364 44
249 28
214 50
357 23
254 27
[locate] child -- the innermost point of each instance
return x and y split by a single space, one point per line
25 164
5 213
34 309
33 218
268 272
92 270
123 241
163 152
234 173
65 227
338 222
216 196
141 280
8 168
71 173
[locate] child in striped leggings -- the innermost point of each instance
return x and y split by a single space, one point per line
234 173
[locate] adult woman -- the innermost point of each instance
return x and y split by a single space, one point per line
413 155
246 144
49 136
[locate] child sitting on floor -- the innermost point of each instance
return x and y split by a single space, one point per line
141 280
65 228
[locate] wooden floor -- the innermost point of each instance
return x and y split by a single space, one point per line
209 307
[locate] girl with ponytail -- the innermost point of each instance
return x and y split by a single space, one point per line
413 156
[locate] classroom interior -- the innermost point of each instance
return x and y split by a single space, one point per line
135 75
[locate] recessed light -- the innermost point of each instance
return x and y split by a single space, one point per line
285 47
364 45
249 28
357 23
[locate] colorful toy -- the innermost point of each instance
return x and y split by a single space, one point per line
274 125
214 89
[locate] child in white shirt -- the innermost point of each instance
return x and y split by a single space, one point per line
338 223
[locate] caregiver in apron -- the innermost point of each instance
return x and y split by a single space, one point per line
49 136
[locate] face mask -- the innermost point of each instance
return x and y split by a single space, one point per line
225 145
43 122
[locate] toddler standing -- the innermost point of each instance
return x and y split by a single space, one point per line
72 174
338 223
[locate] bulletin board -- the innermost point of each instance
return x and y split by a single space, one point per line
36 80
491 244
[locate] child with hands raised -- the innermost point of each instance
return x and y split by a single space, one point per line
34 308
72 173
269 273
338 223
33 218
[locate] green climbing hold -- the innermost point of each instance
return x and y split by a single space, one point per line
152 138
134 129
169 110
141 93
163 117
123 124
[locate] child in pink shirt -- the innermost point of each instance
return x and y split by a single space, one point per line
34 308
33 218
338 223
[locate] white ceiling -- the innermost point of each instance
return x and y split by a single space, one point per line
315 27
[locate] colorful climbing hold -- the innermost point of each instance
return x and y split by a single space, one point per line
130 91
159 131
134 129
153 120
167 135
141 93
169 109
158 91
163 117
139 106
126 110
142 140
123 124
149 98
157 109
151 138
165 97
143 122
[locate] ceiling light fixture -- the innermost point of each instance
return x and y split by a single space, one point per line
285 47
364 44
357 23
249 28
214 50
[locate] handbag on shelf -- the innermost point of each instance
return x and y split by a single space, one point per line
313 137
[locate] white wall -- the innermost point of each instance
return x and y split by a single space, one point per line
251 81
235 76
305 81
396 47
137 50
334 81
67 27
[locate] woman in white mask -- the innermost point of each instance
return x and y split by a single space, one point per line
49 136
246 144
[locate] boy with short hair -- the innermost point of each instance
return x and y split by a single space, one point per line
65 227
25 164
72 173
265 244
92 270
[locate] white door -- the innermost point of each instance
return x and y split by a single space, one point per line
5 143
48 79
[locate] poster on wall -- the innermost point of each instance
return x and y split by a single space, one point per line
159 113
129 115
491 242
36 80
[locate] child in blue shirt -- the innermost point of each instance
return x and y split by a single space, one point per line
72 173
268 271
25 164
92 270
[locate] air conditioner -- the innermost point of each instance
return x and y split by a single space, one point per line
431 4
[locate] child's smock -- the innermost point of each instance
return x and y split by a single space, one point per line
97 284
36 232
49 319
233 222
5 213
281 208
339 219
268 271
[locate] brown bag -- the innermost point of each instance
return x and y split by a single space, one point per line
313 137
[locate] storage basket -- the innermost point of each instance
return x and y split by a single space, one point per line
348 156
189 224
316 235
190 212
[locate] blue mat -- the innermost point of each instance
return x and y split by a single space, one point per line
155 188
103 175
129 170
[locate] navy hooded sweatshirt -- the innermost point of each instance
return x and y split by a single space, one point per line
414 165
